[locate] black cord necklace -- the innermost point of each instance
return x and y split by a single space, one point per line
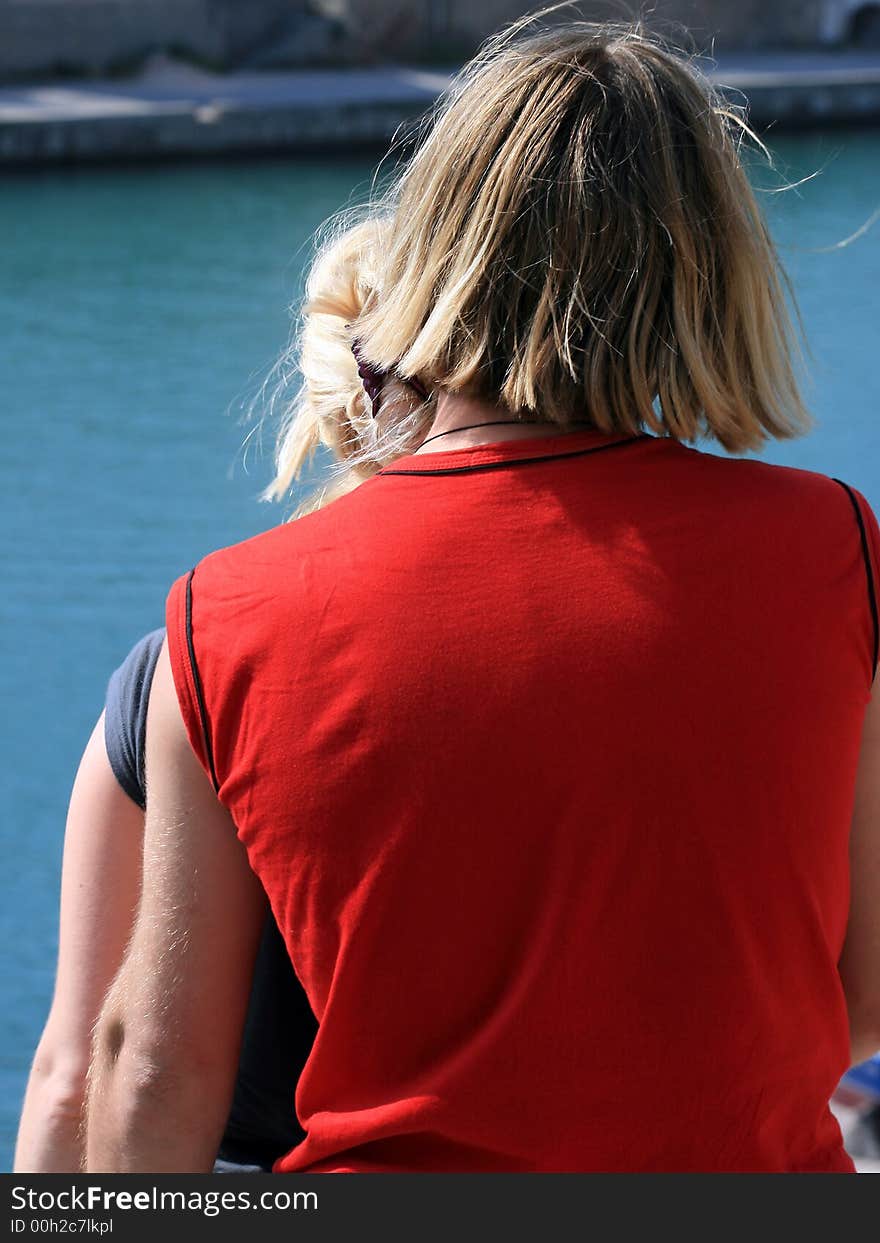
491 423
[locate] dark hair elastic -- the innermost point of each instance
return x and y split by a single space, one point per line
373 378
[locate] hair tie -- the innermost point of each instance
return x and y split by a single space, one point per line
373 378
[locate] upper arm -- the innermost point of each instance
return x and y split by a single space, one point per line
184 987
860 961
100 884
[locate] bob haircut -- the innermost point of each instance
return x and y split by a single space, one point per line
574 238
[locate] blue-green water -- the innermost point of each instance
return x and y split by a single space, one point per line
139 310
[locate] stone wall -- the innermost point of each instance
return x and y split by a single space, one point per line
245 24
842 19
441 27
95 36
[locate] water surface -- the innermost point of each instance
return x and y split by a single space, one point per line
139 309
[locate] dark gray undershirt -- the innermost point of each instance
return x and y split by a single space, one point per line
280 1026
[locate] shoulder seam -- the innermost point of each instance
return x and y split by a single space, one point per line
197 683
869 573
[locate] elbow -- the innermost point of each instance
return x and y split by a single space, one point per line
127 1069
50 1133
131 1095
58 1080
147 1103
64 1096
141 1068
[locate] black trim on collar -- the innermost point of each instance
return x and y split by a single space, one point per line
504 462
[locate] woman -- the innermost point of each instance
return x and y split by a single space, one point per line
548 743
100 889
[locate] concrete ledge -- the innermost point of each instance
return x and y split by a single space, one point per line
174 110
803 105
208 129
805 89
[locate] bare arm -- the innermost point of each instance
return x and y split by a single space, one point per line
167 1042
860 961
100 883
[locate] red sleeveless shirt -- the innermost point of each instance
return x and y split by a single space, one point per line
545 752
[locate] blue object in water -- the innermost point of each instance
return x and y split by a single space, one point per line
865 1077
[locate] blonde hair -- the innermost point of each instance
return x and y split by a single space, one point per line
575 237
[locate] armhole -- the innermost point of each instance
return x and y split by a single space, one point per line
869 574
185 670
197 681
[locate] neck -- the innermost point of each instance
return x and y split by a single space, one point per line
460 420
